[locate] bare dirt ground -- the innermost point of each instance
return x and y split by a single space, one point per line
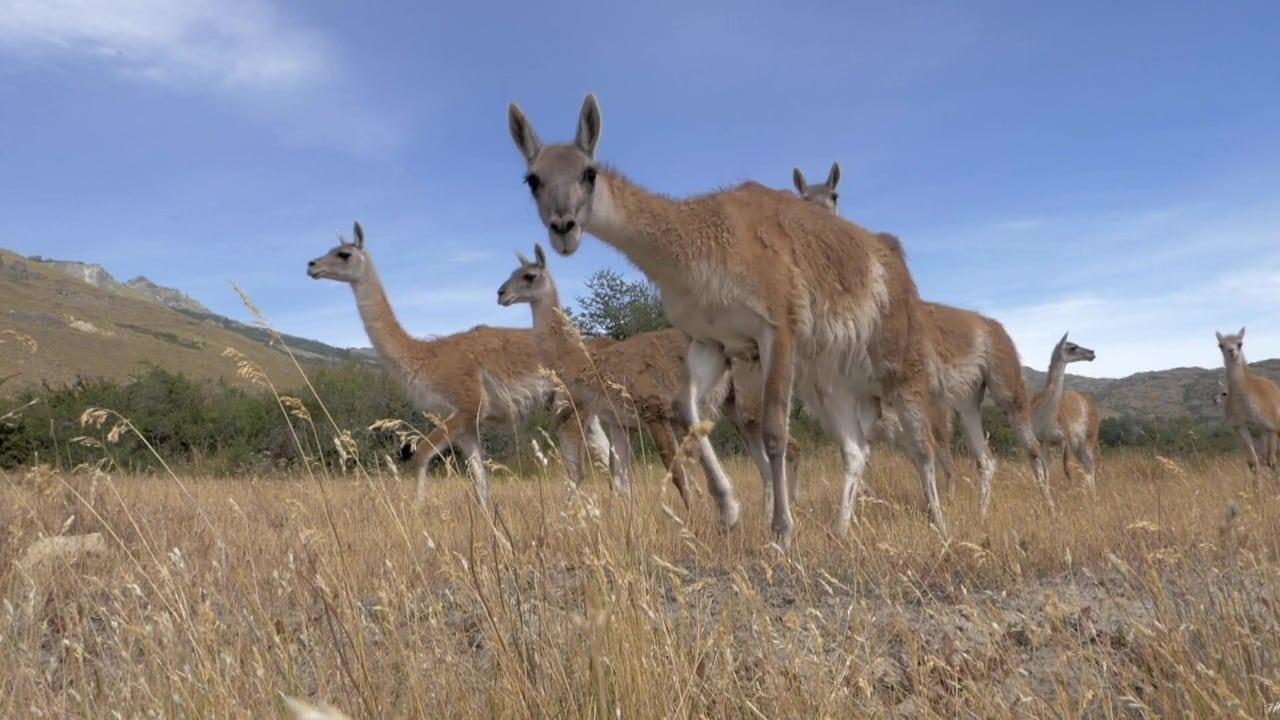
211 598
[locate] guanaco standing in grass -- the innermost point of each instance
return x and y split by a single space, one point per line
1065 418
830 308
626 383
976 356
1252 406
485 375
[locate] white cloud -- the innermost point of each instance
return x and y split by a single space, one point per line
1135 334
247 52
238 44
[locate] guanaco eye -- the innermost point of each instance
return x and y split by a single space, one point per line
530 277
835 197
344 255
533 181
589 176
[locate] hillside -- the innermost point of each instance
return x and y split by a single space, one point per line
1160 393
86 323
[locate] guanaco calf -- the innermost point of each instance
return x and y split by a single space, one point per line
1066 418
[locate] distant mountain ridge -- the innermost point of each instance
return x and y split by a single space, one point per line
108 328
166 296
1159 393
88 324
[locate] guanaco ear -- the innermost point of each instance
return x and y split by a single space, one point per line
1240 334
797 177
522 132
523 260
540 256
589 125
1215 332
833 178
1064 337
359 234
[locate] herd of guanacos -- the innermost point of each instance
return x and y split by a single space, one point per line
770 294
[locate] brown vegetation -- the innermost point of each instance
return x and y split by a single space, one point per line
1160 600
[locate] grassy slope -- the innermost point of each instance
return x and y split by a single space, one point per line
133 334
1162 598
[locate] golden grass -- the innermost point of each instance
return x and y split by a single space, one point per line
214 598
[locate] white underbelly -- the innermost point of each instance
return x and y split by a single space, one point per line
736 328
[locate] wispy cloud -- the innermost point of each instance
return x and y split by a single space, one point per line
246 51
1144 332
236 43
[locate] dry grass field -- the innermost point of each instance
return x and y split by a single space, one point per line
212 598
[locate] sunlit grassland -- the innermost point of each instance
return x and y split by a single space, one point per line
1159 598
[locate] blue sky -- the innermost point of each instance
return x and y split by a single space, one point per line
1112 169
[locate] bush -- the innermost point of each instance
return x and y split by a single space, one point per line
619 308
228 430
1178 435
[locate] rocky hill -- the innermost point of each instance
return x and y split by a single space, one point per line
86 323
1160 393
168 297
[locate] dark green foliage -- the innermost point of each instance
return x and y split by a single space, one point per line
619 308
223 429
229 430
1000 437
1179 435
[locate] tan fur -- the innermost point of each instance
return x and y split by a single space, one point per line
485 375
744 405
628 384
1265 447
822 287
1066 418
827 305
975 355
1078 417
1251 406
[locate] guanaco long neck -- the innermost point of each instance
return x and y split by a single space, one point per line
645 227
1053 387
559 343
389 338
1237 372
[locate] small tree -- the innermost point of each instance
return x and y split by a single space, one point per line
618 308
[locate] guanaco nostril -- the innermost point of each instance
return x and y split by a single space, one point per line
563 227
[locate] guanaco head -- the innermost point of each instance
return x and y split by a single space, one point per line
823 194
1232 347
1070 352
1220 397
345 263
528 283
561 177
